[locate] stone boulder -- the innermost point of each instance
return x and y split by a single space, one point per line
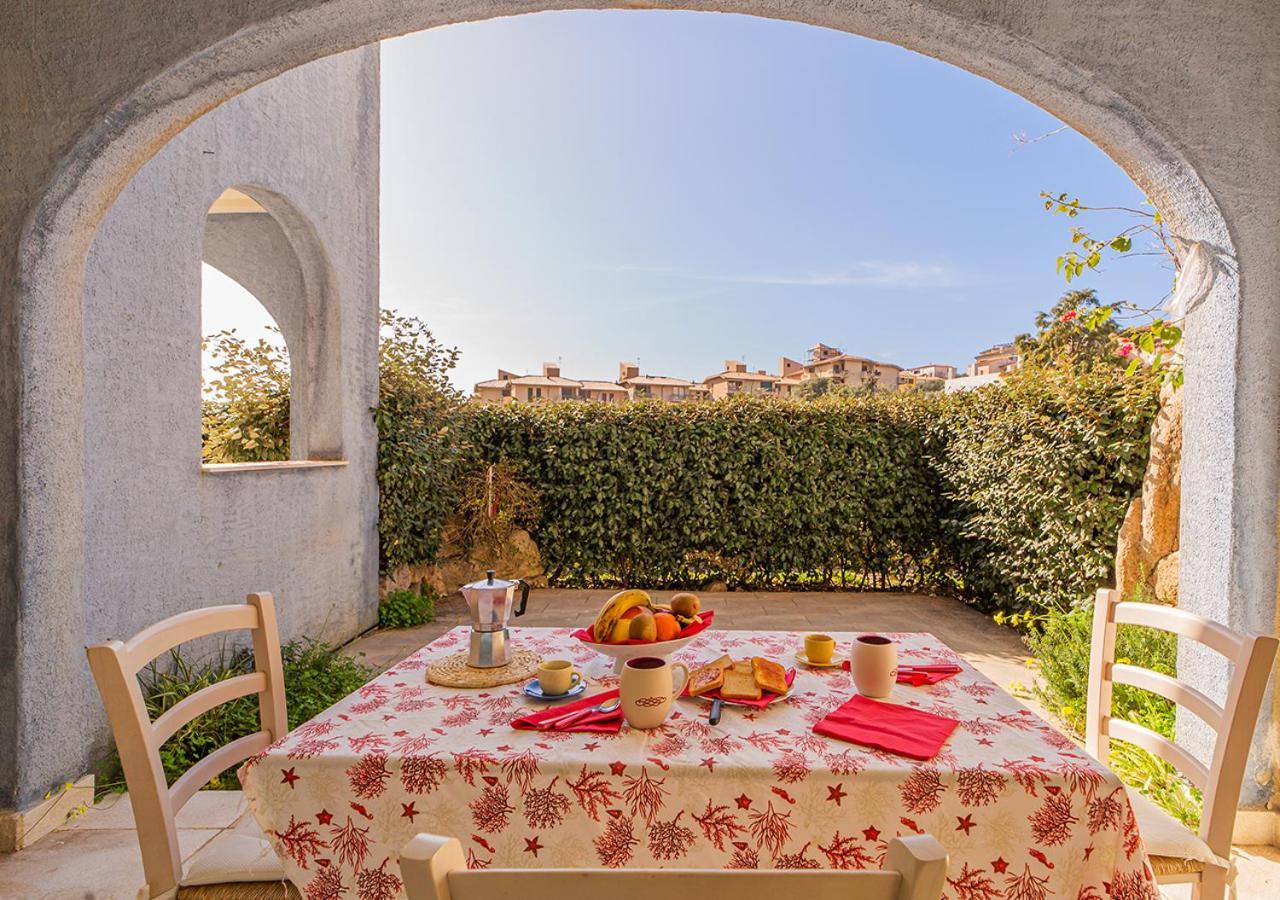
518 557
1149 534
1165 580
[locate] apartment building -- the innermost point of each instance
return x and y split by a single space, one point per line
934 370
655 387
551 385
509 387
856 371
736 381
995 360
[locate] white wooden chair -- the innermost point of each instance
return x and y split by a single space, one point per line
433 868
1179 856
238 862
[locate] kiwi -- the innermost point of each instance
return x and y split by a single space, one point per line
644 628
685 605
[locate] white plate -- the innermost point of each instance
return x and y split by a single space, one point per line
834 663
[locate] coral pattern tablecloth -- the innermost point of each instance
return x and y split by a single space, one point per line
1023 812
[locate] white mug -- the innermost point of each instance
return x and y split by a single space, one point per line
648 688
874 665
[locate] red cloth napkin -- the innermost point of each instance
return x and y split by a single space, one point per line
887 726
765 697
585 635
915 676
606 722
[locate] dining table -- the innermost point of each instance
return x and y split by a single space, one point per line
1023 812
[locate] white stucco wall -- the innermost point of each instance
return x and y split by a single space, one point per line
161 535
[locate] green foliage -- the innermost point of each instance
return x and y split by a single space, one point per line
493 500
649 492
1011 495
407 609
813 388
418 450
316 675
245 411
1078 333
1040 469
1062 646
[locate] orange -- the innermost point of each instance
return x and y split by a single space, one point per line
668 627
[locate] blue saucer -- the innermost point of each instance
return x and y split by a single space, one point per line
533 690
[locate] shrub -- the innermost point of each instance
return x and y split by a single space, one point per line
316 675
782 492
418 448
245 411
1041 469
407 609
1061 645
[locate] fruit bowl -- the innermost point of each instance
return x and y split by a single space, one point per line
622 652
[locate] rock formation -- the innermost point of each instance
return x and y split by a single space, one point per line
1147 548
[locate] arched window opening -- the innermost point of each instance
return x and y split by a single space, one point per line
267 375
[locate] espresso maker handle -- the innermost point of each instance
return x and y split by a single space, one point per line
524 597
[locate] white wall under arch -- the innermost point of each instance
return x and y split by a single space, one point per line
1181 95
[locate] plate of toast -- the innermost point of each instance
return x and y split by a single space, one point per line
752 681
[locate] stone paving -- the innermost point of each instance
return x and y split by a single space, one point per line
95 856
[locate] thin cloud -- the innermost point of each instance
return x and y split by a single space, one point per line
862 273
867 273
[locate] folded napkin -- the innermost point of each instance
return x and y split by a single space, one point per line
915 676
887 726
588 637
610 722
765 697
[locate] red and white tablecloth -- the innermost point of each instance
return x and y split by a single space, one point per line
1023 812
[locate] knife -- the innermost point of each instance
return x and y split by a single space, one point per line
714 717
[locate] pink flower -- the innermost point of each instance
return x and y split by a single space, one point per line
1125 348
1069 315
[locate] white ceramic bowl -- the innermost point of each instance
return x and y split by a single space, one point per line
620 653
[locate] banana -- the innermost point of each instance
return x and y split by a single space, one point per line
613 609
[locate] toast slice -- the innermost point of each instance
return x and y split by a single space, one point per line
723 662
705 678
769 675
739 686
741 665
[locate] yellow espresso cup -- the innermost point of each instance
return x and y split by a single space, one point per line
819 648
557 676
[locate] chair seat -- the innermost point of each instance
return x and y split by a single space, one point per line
239 863
1173 848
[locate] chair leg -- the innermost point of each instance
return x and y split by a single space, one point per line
1212 885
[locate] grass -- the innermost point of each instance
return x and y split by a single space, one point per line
316 675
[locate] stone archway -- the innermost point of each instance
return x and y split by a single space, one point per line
1082 79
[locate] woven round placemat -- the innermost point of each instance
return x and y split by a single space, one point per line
453 671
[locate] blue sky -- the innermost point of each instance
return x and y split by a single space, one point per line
684 188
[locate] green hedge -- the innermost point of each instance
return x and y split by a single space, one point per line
758 492
1010 495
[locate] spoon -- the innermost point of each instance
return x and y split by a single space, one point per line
568 718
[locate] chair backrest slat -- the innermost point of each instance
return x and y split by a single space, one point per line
1251 657
1179 621
162 637
218 761
433 868
115 666
1191 768
205 699
1179 692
